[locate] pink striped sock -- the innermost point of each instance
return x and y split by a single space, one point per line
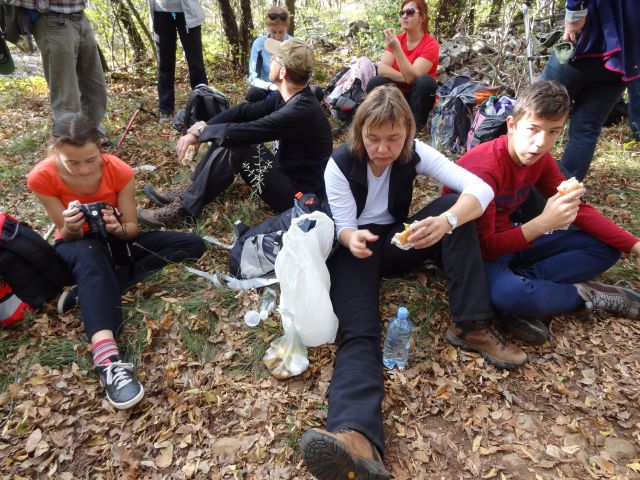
103 351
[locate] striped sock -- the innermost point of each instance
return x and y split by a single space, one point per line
105 352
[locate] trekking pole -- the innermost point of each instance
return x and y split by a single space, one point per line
131 120
526 4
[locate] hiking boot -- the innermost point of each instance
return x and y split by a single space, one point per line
160 198
173 214
528 329
165 119
120 384
482 338
619 301
343 455
68 300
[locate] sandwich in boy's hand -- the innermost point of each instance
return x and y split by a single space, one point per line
569 186
400 238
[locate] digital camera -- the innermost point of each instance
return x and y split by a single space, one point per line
93 215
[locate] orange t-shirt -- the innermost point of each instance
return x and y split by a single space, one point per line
44 179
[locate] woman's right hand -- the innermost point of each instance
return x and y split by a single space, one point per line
358 243
73 218
184 143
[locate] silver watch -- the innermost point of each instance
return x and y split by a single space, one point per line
451 219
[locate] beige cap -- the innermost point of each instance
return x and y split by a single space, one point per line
295 54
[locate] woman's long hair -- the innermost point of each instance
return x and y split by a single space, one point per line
74 129
385 105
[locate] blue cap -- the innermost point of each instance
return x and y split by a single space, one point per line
403 313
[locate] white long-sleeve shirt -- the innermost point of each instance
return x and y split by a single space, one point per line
432 164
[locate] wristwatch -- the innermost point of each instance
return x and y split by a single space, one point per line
197 128
451 219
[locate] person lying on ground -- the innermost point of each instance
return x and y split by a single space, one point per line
294 121
411 60
544 266
369 182
100 242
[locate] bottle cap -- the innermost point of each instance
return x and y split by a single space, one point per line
252 318
403 312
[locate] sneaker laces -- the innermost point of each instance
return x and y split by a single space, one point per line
170 212
119 374
496 335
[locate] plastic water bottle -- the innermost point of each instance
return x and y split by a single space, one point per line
504 106
397 340
489 108
267 303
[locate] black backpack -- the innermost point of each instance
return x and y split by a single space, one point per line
29 264
203 104
255 251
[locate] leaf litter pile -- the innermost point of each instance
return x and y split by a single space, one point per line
211 410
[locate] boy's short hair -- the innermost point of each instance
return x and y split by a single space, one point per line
543 99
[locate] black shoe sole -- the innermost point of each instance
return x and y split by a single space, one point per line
458 342
151 193
328 459
531 331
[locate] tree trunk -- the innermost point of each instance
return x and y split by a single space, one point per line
448 17
230 30
496 9
135 40
144 28
246 30
291 5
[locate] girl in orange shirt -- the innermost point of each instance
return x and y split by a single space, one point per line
105 251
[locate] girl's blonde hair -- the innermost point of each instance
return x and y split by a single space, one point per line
385 105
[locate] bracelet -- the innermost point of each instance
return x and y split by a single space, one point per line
196 128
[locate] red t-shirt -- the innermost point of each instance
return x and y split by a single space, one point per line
512 183
427 48
44 179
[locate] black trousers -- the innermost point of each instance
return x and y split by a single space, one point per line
421 98
256 165
357 385
165 29
100 285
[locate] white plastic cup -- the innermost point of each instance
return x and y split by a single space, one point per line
252 318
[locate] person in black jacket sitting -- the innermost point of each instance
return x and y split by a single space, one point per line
293 121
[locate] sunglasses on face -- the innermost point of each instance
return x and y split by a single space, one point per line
278 16
409 12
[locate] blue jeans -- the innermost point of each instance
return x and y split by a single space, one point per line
538 281
594 91
634 107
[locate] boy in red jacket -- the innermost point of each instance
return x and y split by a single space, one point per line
544 266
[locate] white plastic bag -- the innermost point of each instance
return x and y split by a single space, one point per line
304 279
286 356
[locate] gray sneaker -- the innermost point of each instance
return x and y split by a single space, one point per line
122 388
619 301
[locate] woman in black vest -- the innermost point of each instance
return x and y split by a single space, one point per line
369 183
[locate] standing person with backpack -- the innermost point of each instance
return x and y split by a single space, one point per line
294 121
260 60
411 60
173 18
90 196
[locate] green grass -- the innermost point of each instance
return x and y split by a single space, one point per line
61 352
255 344
29 143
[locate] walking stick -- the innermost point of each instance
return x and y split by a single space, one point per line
526 4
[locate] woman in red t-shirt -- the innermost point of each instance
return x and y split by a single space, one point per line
411 60
90 196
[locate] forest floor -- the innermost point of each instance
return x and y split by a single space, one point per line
211 409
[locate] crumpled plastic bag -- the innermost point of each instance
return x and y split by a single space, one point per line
286 356
304 278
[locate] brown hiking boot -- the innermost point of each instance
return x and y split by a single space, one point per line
619 301
160 198
173 215
528 329
485 340
343 455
